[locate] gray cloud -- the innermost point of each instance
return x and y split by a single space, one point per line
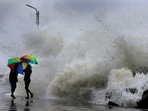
92 5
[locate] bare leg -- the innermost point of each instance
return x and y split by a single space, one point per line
27 90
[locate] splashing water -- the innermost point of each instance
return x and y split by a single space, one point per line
84 51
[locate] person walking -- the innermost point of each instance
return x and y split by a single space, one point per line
27 80
13 79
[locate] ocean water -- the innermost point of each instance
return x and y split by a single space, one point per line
86 50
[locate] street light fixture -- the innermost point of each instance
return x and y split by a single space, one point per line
37 15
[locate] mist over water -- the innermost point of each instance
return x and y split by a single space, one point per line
84 49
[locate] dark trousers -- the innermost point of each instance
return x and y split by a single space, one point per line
13 87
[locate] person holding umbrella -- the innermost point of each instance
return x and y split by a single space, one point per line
13 79
27 80
28 70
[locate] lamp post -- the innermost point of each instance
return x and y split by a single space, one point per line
37 15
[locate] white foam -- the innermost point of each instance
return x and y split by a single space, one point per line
90 51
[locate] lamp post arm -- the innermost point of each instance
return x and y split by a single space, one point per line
32 7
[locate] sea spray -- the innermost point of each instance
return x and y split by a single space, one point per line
118 82
44 43
78 80
83 54
130 52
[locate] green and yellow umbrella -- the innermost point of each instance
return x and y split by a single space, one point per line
13 61
29 58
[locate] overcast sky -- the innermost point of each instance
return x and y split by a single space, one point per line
74 8
78 6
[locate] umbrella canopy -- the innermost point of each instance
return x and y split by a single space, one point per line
13 61
29 58
21 67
